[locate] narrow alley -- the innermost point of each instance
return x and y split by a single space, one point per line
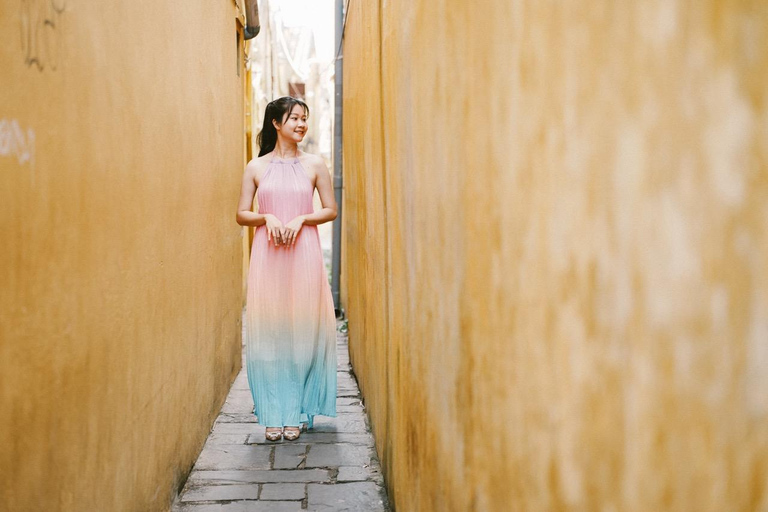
331 467
544 228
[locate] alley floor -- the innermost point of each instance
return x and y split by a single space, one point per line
332 467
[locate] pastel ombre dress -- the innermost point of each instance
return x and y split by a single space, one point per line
290 325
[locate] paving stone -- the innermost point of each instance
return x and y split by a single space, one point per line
361 438
241 381
223 492
334 455
289 456
338 424
354 474
239 395
350 497
259 475
241 386
243 506
238 402
236 418
349 408
352 415
228 438
237 460
311 437
233 456
237 428
347 401
282 492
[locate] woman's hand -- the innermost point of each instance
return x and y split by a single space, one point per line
291 230
274 229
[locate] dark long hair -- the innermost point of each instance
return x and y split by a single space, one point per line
276 109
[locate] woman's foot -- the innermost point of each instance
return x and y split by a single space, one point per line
291 433
273 433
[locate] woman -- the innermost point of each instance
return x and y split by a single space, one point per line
290 326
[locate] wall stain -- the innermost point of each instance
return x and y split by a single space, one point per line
39 22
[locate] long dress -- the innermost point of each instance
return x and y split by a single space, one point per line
290 325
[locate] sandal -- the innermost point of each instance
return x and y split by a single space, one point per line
291 434
274 435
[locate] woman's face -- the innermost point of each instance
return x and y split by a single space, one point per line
294 127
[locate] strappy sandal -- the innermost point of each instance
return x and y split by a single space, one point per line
275 435
292 434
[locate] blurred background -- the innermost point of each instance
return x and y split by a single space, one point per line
294 55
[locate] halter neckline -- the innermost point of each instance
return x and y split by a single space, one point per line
293 160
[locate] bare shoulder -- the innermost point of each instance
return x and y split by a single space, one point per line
256 167
258 163
315 161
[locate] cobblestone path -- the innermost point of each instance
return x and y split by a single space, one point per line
332 467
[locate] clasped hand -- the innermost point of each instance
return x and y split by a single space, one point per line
283 234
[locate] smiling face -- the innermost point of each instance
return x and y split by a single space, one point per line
294 125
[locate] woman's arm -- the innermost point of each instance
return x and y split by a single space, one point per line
245 216
325 190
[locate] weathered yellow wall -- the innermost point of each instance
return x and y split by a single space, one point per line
556 252
121 151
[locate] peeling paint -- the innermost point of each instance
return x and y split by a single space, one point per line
17 143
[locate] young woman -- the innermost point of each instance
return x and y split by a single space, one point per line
290 326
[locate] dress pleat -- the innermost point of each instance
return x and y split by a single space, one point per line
290 325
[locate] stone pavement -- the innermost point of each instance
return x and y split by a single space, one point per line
332 467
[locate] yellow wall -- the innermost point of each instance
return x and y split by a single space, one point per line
121 151
555 252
